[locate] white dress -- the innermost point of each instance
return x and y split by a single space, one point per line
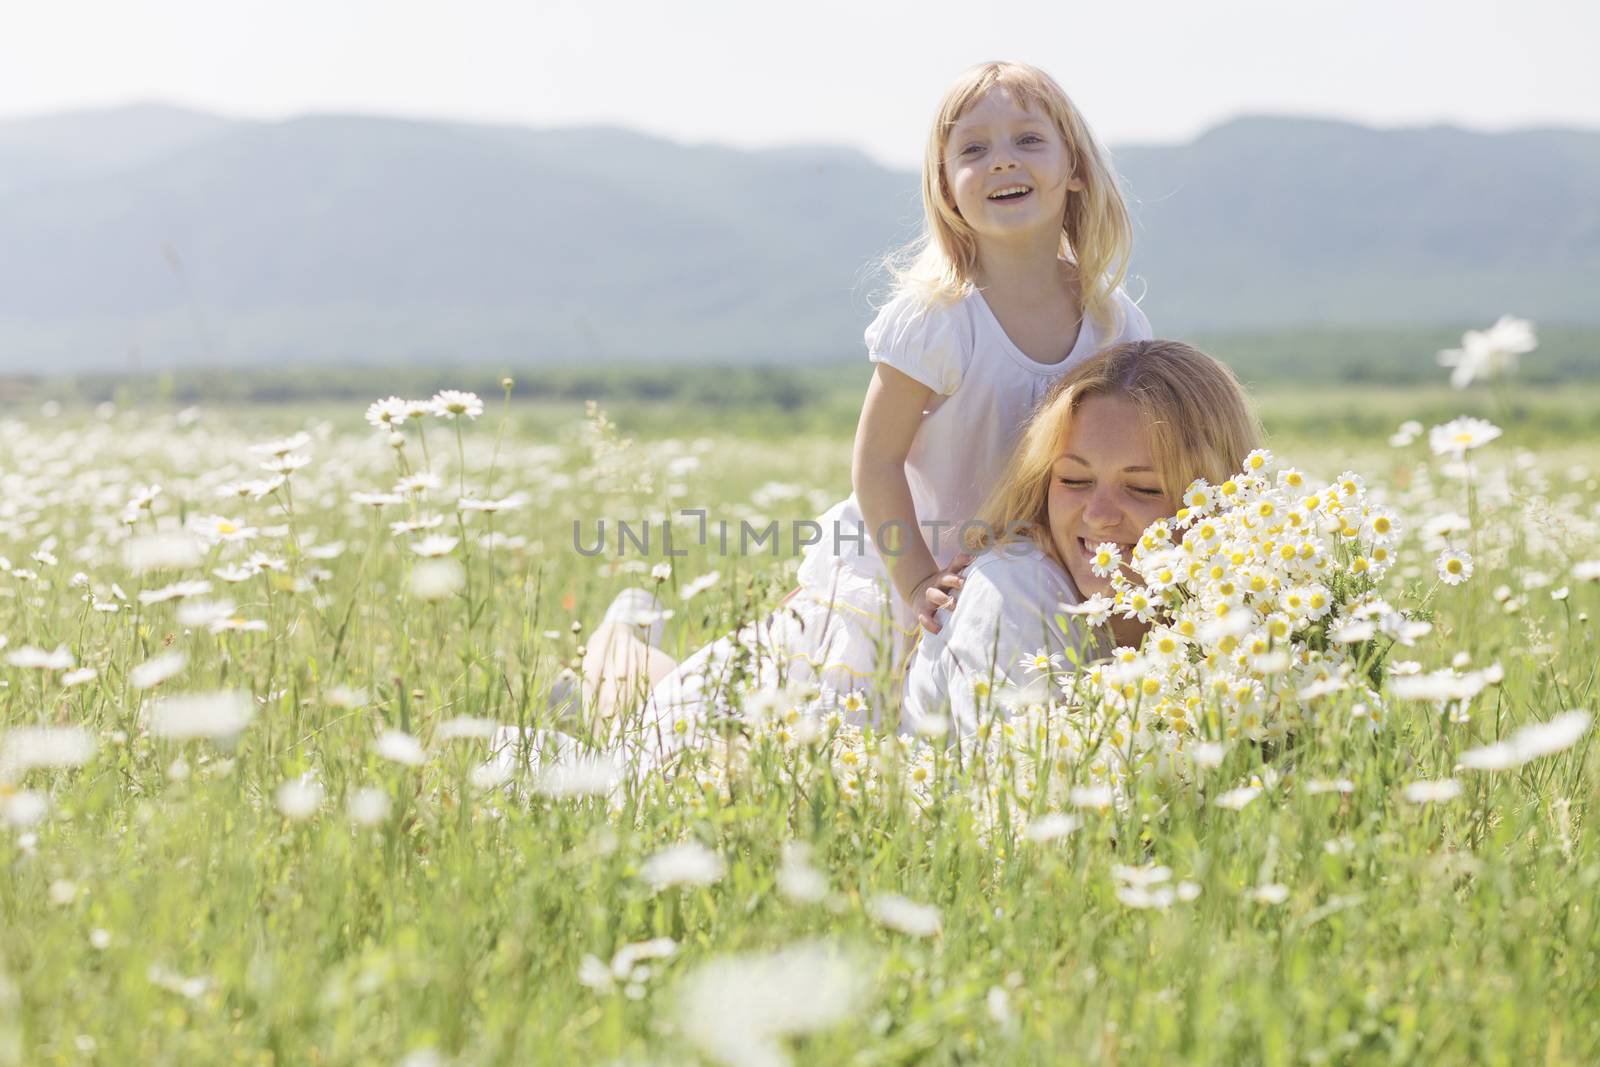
846 622
1006 613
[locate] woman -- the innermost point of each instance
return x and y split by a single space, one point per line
1110 450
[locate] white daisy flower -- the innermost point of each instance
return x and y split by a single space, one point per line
1457 436
418 483
1107 558
387 414
453 403
1454 567
435 546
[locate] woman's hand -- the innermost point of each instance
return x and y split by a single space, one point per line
938 590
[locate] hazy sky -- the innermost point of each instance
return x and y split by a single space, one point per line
755 72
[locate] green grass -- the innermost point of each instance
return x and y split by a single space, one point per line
1443 933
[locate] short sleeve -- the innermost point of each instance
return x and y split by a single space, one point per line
928 343
1135 326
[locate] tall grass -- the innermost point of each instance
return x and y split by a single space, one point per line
171 905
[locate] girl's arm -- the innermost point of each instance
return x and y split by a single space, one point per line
890 416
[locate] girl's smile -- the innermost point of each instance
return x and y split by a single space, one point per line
1010 194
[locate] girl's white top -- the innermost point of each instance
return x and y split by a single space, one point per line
1004 615
985 389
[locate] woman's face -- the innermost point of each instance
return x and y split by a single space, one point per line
1103 487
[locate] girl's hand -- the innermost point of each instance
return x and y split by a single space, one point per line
932 594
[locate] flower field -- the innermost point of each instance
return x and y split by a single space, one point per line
294 767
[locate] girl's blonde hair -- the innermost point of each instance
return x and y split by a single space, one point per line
1199 421
1096 234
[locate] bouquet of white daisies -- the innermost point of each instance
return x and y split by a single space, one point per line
1262 597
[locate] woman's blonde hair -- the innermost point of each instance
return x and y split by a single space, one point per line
1096 234
1200 424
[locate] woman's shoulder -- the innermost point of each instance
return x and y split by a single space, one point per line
1018 570
1015 578
1008 600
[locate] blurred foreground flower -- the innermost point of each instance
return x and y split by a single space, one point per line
690 863
30 658
739 1008
1429 792
221 714
23 809
438 579
630 964
1529 743
1051 827
368 806
1486 354
165 551
155 671
1148 888
798 879
300 798
1270 893
27 747
905 916
581 776
400 747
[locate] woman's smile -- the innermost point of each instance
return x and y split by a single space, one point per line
1090 545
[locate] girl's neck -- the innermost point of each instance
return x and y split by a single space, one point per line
1028 271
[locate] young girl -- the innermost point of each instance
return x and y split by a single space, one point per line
1014 282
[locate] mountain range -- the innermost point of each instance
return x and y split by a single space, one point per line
150 236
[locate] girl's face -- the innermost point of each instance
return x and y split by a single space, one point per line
1008 168
1103 487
